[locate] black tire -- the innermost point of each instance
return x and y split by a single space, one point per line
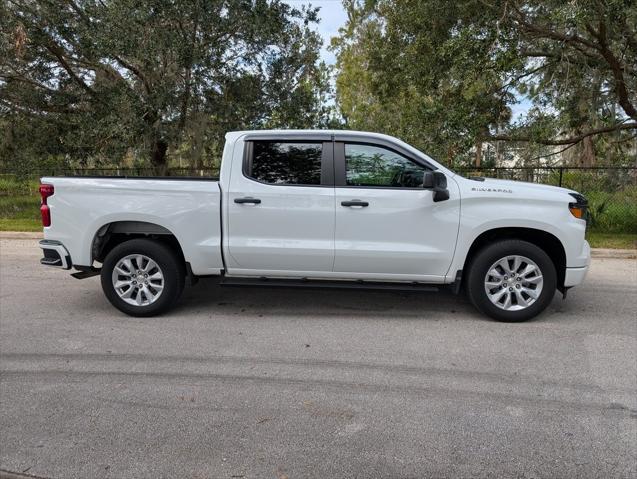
487 256
171 266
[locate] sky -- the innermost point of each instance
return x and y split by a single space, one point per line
333 16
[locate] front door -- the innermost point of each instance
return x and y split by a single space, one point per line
387 225
281 209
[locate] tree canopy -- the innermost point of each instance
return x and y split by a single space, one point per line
446 76
159 82
99 79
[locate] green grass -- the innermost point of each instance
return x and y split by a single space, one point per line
20 224
20 212
14 187
20 207
612 240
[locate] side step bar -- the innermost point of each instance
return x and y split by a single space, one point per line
86 273
321 284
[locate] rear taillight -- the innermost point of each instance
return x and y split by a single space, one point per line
45 192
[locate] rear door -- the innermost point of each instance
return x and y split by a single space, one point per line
281 207
387 224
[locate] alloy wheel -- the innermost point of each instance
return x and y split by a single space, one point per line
513 283
138 280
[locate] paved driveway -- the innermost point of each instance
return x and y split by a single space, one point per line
261 383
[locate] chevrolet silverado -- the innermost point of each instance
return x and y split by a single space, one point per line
319 208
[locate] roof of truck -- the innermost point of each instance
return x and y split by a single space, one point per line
323 135
284 132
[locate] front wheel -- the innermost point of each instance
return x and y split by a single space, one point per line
511 280
141 277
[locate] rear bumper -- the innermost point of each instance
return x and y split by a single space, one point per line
55 254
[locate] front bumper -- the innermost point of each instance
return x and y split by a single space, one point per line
55 254
575 276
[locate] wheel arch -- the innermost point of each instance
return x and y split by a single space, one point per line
544 240
109 235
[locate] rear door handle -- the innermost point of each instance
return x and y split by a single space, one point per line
241 201
354 203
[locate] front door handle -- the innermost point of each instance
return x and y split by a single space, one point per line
354 203
241 201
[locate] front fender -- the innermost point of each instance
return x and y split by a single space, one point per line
480 215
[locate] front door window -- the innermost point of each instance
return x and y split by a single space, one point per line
373 166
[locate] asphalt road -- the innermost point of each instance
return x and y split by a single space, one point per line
260 383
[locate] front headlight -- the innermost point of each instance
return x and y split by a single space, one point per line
579 207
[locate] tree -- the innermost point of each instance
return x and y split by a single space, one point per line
445 75
105 77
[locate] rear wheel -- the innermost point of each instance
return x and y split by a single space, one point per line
511 280
141 277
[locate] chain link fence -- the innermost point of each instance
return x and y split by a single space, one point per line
611 191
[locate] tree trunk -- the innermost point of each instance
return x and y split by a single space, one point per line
587 156
451 154
498 153
198 129
158 158
478 154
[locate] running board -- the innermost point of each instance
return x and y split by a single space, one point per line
87 273
322 284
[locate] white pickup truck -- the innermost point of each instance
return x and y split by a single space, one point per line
319 208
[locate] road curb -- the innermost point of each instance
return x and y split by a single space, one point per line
595 252
21 235
614 253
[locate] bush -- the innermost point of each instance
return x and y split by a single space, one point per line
613 212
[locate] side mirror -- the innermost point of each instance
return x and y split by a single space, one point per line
428 180
436 181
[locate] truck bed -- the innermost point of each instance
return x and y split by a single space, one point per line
189 208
